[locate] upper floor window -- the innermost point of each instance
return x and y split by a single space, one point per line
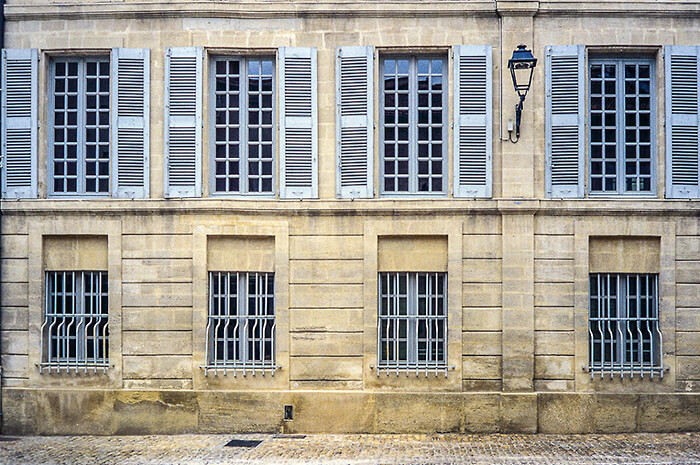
242 106
79 126
413 124
601 120
621 121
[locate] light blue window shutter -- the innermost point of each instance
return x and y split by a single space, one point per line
682 122
130 122
564 121
298 123
473 121
20 127
354 122
183 122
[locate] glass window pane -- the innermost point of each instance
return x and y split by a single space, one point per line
634 124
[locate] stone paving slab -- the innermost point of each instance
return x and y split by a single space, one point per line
656 449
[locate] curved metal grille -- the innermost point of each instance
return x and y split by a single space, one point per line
412 322
241 324
623 325
76 325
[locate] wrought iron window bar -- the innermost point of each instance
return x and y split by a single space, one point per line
75 332
623 330
412 324
241 327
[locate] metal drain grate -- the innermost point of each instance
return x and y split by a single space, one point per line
289 436
243 443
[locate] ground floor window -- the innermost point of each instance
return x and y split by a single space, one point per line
412 322
623 327
75 332
241 323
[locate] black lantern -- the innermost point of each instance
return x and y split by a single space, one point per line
521 66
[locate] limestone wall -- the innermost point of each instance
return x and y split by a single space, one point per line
517 264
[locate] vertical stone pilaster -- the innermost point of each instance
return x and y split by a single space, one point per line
518 170
518 289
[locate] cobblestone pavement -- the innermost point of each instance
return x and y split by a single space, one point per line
355 449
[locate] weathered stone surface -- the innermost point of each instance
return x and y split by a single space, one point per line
325 271
326 319
325 247
325 344
522 263
157 342
326 368
564 413
669 413
325 295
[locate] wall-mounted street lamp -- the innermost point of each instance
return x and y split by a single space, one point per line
521 66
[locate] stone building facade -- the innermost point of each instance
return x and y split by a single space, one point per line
214 210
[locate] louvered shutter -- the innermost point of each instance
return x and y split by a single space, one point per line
20 101
564 120
130 122
682 122
473 121
298 123
183 122
355 122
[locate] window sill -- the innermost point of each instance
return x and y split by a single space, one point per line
416 370
627 371
76 196
239 196
607 196
240 369
414 196
76 368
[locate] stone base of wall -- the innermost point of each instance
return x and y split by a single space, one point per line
34 411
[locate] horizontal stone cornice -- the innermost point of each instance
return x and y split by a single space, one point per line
249 10
41 10
620 8
376 207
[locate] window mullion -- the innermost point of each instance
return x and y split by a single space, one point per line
243 125
81 136
413 125
620 121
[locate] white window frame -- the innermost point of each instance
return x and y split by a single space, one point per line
620 60
413 124
242 362
620 329
243 126
83 317
391 314
82 93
